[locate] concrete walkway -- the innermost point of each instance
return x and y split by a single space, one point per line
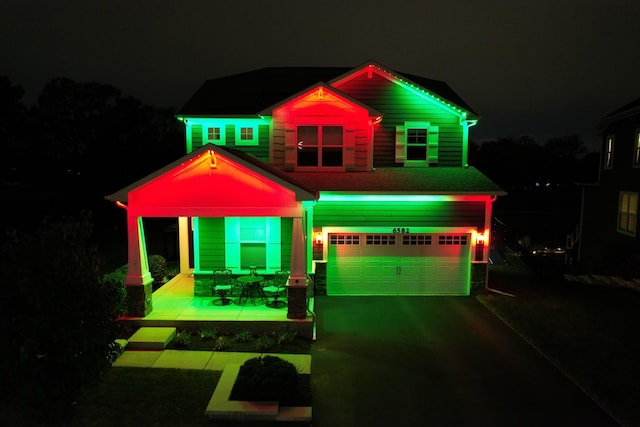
209 360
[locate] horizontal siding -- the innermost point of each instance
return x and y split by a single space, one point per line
399 214
211 243
399 105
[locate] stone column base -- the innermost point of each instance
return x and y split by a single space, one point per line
297 302
139 299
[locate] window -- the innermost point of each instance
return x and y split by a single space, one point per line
452 239
320 146
215 134
628 212
417 144
252 241
608 153
246 135
636 151
416 239
381 239
344 239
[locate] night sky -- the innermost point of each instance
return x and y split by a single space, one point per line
540 68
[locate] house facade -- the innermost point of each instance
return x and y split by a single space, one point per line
359 174
609 242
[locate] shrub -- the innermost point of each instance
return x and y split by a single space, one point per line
115 282
57 321
265 343
222 343
266 378
208 333
244 335
285 336
158 270
182 340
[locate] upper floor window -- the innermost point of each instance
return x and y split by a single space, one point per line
628 212
417 144
246 135
608 153
319 146
636 151
215 134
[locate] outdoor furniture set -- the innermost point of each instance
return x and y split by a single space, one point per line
252 287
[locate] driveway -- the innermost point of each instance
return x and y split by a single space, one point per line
434 361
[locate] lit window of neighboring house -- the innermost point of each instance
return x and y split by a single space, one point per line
628 213
215 135
246 135
636 151
608 153
319 146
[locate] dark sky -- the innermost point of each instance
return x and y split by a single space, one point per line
541 68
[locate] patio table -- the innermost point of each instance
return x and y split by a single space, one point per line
250 289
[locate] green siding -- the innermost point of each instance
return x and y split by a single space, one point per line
400 105
196 137
286 231
211 243
399 214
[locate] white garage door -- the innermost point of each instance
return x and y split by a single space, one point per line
399 264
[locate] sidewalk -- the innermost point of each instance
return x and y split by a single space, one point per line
209 360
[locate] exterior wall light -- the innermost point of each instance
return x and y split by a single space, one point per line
318 238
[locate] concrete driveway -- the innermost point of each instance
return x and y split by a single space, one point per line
434 361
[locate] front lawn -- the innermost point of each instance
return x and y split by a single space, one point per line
147 397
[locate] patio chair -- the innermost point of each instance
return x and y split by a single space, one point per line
222 286
276 288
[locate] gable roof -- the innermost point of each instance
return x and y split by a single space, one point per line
246 94
323 86
435 180
627 110
301 191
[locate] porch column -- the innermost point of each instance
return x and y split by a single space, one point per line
297 286
183 239
139 283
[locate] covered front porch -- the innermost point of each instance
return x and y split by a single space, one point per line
174 304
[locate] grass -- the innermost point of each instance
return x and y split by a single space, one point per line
591 333
147 397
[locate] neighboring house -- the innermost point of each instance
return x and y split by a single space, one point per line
361 172
609 241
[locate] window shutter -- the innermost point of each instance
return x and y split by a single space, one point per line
400 143
432 144
290 147
196 136
348 148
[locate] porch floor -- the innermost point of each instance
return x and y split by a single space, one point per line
175 305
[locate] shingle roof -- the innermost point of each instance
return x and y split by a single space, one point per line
627 110
433 180
252 91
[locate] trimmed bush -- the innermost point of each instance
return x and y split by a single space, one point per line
266 378
158 270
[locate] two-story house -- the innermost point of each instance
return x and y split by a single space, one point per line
609 241
361 171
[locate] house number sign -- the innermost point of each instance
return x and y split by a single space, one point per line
400 230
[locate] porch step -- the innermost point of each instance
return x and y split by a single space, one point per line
151 338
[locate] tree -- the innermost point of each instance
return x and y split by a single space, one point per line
12 120
57 317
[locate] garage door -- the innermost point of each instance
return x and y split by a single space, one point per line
398 264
